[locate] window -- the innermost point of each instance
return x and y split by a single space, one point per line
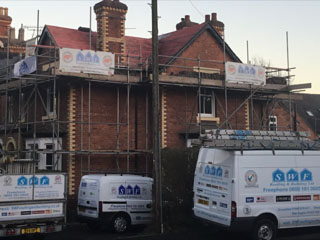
207 103
273 123
49 157
45 156
33 153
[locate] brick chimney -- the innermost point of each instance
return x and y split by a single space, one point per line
21 34
12 33
111 17
185 22
219 26
5 22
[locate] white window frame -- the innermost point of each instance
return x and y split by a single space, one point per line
202 99
273 121
42 156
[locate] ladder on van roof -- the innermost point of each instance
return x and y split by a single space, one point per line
256 140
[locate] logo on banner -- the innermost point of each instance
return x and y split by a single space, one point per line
67 57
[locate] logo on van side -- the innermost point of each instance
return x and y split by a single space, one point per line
129 190
251 178
292 176
213 171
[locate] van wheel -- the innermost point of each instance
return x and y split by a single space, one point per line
264 229
120 223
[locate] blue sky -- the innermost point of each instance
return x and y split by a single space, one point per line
262 23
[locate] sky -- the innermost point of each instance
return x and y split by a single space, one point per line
262 23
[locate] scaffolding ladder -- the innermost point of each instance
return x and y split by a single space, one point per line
256 140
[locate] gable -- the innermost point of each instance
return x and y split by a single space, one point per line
206 47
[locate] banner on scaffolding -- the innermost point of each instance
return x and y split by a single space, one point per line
31 47
26 66
245 73
86 61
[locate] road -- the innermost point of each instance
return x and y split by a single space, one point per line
81 232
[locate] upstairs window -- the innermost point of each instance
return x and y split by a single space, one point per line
207 103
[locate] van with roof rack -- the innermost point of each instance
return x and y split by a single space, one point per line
258 182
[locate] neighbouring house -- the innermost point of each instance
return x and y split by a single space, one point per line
83 123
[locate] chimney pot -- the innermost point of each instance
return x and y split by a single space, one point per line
21 33
207 19
214 17
182 19
12 33
1 11
6 11
187 17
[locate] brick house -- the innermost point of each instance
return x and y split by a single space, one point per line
83 123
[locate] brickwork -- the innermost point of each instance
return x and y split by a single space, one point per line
207 48
111 28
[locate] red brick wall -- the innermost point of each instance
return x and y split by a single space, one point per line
205 47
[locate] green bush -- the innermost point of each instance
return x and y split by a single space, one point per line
178 166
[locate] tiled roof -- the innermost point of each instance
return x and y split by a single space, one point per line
72 38
170 44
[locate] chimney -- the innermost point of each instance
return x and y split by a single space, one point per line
21 34
5 23
185 22
111 17
214 17
207 19
219 26
12 33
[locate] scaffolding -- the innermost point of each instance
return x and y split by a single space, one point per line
131 72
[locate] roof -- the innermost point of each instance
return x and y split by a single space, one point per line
170 44
309 110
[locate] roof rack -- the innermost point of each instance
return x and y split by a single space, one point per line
256 140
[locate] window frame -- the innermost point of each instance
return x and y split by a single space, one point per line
204 94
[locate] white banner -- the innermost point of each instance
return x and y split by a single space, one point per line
29 187
30 47
31 211
86 61
26 66
244 73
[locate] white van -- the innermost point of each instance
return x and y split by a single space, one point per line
115 200
258 190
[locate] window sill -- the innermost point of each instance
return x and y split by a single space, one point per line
49 117
208 118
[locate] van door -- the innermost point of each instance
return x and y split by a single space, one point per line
309 196
88 198
212 189
139 201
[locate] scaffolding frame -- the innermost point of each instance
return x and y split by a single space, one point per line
141 68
